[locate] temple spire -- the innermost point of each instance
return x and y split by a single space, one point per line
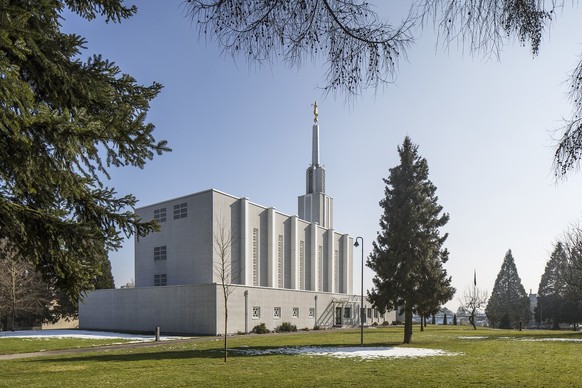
315 206
315 140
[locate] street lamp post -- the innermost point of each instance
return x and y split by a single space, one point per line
362 312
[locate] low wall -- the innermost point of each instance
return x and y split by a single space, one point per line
175 309
199 309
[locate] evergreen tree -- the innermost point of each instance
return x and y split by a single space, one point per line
104 279
64 122
509 303
552 288
408 255
559 297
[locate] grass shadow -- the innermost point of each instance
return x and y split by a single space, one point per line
214 353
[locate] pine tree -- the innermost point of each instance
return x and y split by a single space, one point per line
509 303
558 299
552 288
408 255
64 122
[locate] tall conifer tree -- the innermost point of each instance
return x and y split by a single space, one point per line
509 303
408 255
64 120
552 288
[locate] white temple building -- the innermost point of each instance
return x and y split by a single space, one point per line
279 267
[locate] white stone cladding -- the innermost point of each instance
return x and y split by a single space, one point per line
255 252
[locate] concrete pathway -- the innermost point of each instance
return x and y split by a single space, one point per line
105 348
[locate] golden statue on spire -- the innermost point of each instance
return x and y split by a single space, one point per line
315 112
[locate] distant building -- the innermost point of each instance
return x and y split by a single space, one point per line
283 268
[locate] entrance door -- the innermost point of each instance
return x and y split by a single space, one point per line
338 316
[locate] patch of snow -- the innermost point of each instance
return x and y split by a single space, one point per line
530 339
552 339
84 334
471 337
365 353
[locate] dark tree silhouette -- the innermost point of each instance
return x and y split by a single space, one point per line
408 255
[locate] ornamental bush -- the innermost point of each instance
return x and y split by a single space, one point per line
260 329
285 327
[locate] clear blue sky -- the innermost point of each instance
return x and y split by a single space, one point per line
485 127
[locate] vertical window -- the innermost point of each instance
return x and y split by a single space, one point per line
256 312
160 253
295 312
347 312
160 215
280 261
301 265
160 280
375 313
320 268
311 312
336 271
277 312
181 210
255 257
369 312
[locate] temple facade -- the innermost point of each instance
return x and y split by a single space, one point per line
277 267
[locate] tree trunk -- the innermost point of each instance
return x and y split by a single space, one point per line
225 327
421 324
408 325
472 320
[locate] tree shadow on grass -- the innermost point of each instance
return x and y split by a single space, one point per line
216 353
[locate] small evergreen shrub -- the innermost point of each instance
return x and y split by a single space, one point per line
375 324
385 323
397 322
316 327
285 327
260 329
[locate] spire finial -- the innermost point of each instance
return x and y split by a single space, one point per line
315 112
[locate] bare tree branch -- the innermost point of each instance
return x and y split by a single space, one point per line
360 50
225 266
472 301
572 243
23 294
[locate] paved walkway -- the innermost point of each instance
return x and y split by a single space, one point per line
105 348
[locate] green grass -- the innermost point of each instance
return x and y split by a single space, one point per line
504 358
29 345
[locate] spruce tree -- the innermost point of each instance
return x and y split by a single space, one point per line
552 288
64 122
509 303
408 254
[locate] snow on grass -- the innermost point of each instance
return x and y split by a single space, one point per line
530 339
552 339
83 334
364 353
471 337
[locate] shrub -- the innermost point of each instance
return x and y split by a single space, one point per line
374 324
260 329
285 327
385 323
316 327
396 323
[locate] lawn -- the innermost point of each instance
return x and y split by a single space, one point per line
494 358
29 345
